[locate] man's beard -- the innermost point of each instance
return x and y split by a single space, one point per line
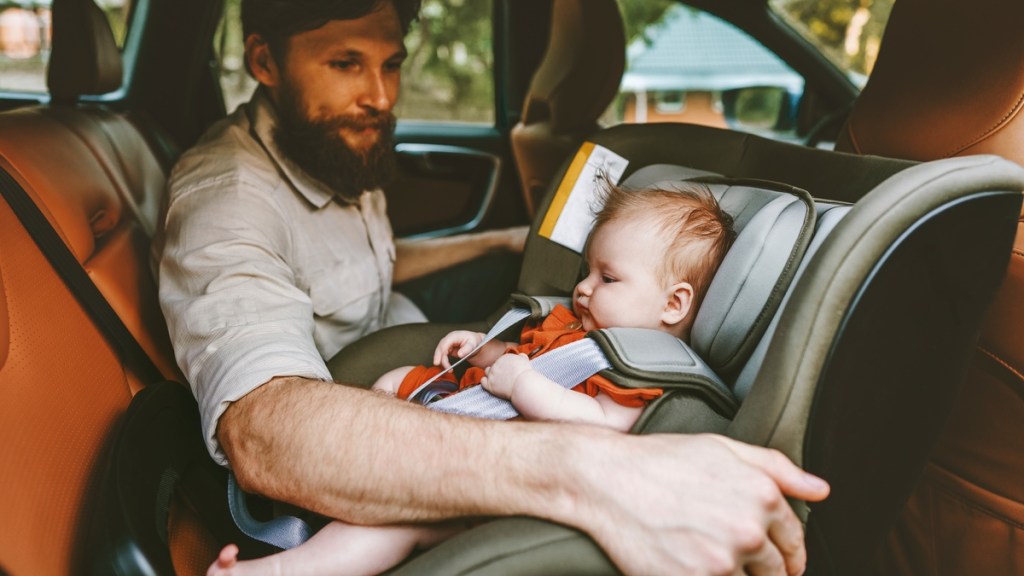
316 146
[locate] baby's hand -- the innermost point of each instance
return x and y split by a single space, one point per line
501 377
458 344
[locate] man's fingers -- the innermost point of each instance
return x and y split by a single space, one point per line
793 481
767 561
786 535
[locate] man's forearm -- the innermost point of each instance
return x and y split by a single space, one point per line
370 459
417 258
656 504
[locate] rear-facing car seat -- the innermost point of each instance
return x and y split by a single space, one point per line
855 373
936 92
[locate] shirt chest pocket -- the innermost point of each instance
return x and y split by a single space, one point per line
346 293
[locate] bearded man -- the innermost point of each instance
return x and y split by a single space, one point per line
277 252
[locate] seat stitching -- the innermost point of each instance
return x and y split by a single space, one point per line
1002 362
952 493
995 127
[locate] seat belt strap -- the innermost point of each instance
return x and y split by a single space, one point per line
567 366
426 392
285 532
67 266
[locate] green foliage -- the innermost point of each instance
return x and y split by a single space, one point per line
448 72
637 15
850 31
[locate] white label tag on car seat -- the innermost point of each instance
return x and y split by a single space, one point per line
571 214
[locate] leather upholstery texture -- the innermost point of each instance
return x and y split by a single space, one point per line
75 177
94 175
62 390
949 81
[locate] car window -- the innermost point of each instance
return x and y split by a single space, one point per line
848 33
25 40
447 76
686 65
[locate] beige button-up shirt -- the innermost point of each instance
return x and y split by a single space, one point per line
265 272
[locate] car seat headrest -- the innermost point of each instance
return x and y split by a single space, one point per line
85 59
828 216
582 66
937 90
774 223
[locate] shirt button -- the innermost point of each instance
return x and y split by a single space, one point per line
574 325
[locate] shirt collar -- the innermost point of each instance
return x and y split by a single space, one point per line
263 121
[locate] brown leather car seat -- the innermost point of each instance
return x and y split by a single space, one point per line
576 81
93 174
97 180
949 81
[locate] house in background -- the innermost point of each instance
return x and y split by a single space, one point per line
682 66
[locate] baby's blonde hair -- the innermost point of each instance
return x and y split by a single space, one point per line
696 230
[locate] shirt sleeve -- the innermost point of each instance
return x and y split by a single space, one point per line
233 310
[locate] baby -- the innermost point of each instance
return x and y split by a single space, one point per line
650 258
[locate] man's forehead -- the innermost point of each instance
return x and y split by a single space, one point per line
379 29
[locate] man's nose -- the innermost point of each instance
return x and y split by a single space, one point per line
376 93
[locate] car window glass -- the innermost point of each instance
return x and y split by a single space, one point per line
686 65
25 40
446 77
848 33
448 74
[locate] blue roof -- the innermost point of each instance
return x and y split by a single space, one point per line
693 50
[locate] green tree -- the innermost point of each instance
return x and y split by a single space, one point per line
637 15
850 31
448 72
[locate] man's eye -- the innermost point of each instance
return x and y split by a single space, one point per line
393 66
342 64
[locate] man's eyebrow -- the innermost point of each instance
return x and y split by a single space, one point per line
402 53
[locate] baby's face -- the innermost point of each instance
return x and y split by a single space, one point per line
622 288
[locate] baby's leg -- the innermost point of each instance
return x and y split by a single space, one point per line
338 548
391 380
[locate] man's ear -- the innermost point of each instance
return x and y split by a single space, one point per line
261 62
678 306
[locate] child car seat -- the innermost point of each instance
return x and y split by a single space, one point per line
855 375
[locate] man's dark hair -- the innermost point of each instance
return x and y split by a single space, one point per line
277 20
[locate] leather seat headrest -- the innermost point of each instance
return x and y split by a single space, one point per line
85 58
582 67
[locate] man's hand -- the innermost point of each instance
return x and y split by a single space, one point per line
501 376
508 239
698 505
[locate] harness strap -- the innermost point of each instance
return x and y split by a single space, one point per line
567 366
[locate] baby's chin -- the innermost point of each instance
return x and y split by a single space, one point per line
587 323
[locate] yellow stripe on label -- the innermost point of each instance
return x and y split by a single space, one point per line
547 227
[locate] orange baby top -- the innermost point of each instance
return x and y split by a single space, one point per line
559 328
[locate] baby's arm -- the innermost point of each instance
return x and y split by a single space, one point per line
461 342
538 398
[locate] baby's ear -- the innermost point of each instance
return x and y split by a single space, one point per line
678 306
